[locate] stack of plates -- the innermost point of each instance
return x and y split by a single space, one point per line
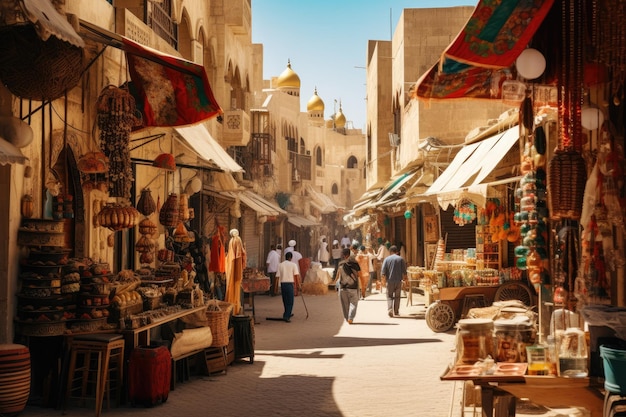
14 378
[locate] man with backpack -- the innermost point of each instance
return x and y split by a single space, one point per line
348 281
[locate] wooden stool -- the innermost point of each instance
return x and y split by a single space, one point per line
93 360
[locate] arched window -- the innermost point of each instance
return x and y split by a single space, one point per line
302 147
335 189
318 156
352 162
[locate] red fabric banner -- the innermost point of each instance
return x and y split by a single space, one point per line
498 31
169 91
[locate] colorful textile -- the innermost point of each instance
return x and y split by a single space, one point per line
471 82
498 31
169 91
480 59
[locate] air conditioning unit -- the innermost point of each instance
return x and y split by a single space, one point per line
394 140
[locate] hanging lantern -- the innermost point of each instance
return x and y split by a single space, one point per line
168 216
146 204
147 227
591 117
530 64
408 214
183 210
27 206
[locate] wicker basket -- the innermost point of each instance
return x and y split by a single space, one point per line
35 69
567 176
218 316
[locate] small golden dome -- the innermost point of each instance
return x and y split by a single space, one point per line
340 119
288 78
315 103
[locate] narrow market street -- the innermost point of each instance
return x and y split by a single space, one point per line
320 366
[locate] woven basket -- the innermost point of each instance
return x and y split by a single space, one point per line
35 69
567 176
218 316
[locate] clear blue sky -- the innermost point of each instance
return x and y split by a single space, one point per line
326 40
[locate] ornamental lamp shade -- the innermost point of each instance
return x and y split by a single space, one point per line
165 161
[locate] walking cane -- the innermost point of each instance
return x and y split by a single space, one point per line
303 302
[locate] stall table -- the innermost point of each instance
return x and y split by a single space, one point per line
253 285
141 335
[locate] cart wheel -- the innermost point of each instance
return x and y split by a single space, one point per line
440 317
514 291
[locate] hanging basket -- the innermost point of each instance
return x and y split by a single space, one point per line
35 69
567 176
168 215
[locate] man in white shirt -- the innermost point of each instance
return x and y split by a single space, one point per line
288 275
272 262
345 241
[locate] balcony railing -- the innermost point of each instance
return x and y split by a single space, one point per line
236 128
301 165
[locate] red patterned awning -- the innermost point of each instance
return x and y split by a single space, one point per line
480 57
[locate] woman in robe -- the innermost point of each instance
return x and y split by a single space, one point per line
235 263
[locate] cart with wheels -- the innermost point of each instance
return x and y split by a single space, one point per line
454 302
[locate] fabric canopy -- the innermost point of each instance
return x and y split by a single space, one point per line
300 221
257 203
321 201
10 154
207 148
470 167
480 57
49 22
168 90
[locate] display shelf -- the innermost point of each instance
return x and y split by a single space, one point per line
487 251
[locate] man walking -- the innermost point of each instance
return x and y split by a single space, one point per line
288 275
394 272
272 262
348 274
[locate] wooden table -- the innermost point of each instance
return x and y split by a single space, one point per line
556 392
141 335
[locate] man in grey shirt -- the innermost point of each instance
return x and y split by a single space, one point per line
394 272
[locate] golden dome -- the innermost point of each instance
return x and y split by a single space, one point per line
288 78
315 103
340 119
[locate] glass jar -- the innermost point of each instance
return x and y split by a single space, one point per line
511 338
573 354
474 340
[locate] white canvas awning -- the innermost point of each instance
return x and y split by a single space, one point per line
300 221
471 166
198 138
321 201
257 203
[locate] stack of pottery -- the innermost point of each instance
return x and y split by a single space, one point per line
14 378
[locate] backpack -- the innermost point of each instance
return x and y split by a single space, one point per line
349 278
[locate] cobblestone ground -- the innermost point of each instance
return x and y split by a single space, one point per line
320 366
